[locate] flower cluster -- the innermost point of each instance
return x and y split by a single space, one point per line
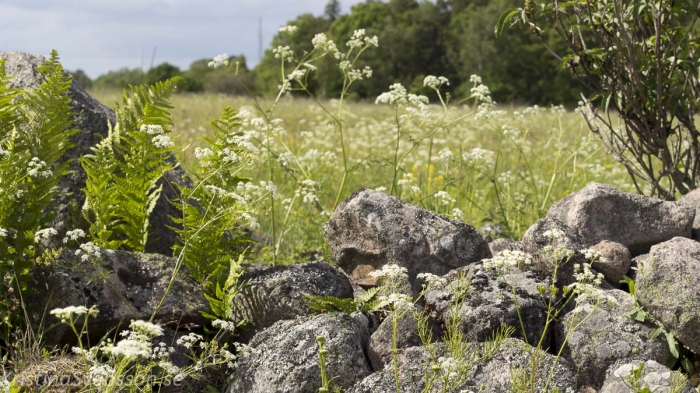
3 232
508 259
554 234
399 96
289 29
480 158
323 44
36 168
67 313
73 235
435 82
219 61
44 234
432 281
390 271
395 301
594 256
359 39
88 250
152 129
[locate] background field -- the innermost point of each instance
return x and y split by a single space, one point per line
531 157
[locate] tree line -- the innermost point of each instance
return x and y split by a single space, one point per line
451 38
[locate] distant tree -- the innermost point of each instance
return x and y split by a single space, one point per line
119 79
82 79
161 72
332 11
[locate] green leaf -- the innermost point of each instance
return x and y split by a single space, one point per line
673 345
506 17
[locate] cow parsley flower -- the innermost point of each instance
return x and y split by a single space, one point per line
70 311
432 281
35 167
508 259
289 29
390 271
88 250
219 61
146 328
224 325
44 234
435 82
203 153
162 141
323 44
554 234
395 301
99 375
284 53
152 129
130 349
73 235
189 340
3 232
594 256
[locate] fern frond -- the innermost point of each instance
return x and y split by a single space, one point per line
330 303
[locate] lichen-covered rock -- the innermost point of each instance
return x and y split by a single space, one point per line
122 285
499 245
602 212
286 356
492 374
692 199
668 287
489 303
619 261
91 119
276 293
603 335
538 238
373 229
380 349
656 377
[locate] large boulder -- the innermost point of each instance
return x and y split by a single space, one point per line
668 287
285 357
618 261
493 373
600 335
91 119
602 212
275 293
381 343
655 377
122 285
490 302
692 199
373 229
550 242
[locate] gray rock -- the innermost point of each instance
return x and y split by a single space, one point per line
276 293
657 377
534 243
489 303
286 356
619 261
91 118
122 285
668 287
491 374
603 336
692 199
602 212
373 229
380 349
502 244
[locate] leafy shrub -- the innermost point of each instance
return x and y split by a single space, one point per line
640 59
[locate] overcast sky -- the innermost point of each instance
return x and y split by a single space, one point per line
102 35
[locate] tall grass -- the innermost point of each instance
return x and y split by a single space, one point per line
498 170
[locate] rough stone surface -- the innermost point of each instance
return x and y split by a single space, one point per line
602 212
122 285
657 377
286 356
91 118
619 261
281 290
494 373
535 241
372 228
381 342
668 287
604 336
692 199
489 303
499 245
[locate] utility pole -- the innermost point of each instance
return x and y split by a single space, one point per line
260 40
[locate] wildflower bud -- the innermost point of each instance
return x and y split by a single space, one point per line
323 352
435 367
541 289
321 339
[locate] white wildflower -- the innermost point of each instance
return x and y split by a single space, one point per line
395 301
435 82
289 29
152 129
74 235
224 325
147 329
189 340
100 375
479 157
554 234
508 259
475 79
35 167
390 271
357 39
323 44
219 61
70 311
594 256
3 232
228 155
432 281
44 234
457 214
284 53
296 75
88 250
130 349
162 141
203 153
